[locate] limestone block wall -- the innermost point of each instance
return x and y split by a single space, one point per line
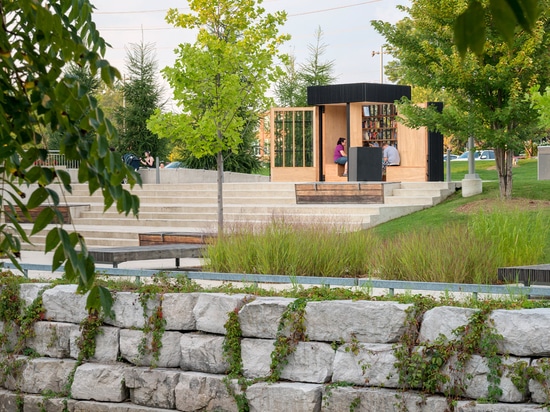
346 356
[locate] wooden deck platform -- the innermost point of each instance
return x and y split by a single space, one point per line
116 255
163 238
350 192
525 274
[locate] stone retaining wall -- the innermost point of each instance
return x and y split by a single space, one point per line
347 362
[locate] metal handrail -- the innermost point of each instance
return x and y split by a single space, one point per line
391 285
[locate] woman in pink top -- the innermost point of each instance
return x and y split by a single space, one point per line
340 156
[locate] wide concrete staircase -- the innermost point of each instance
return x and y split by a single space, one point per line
192 207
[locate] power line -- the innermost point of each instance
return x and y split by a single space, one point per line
290 15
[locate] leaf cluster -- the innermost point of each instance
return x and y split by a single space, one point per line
39 43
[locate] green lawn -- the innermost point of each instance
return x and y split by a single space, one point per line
525 185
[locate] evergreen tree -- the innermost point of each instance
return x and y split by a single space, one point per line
142 96
291 88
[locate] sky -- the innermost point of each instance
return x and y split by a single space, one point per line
347 33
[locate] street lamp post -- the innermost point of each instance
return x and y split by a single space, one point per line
381 53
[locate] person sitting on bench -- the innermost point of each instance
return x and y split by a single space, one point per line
390 155
340 156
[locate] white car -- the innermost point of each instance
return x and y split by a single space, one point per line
478 155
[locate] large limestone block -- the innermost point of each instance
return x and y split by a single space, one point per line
129 311
133 350
177 309
468 406
90 406
338 399
205 392
285 396
443 320
106 344
28 292
211 310
41 374
256 357
52 339
10 333
538 389
202 353
8 401
473 378
261 317
365 321
525 332
311 362
40 403
100 382
63 304
152 387
366 365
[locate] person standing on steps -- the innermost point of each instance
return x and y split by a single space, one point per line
340 156
148 161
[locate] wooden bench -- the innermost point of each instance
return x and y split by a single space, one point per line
116 255
66 212
163 238
352 192
525 274
334 173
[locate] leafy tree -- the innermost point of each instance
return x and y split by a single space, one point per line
291 88
471 24
243 160
485 94
142 96
227 69
38 43
52 140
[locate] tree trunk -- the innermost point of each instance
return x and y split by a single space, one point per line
219 162
504 160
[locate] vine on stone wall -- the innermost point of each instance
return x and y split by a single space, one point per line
423 367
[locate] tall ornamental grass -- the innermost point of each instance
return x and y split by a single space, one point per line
468 252
279 248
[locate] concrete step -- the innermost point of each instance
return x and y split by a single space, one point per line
412 200
193 208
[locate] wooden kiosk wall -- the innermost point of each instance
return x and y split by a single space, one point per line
339 113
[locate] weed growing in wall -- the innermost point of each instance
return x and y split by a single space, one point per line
424 367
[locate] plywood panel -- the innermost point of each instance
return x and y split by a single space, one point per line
355 119
335 126
405 174
294 174
412 146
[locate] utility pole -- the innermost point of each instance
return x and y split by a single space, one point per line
381 53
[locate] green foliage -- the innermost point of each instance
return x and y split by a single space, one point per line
232 344
470 25
484 95
154 327
227 69
291 88
290 332
90 328
142 96
242 160
41 96
424 367
468 250
285 248
221 78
